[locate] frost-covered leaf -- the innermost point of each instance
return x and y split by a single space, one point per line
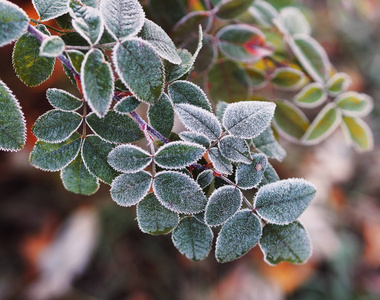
292 21
54 157
13 22
12 122
63 100
228 80
290 243
178 155
282 202
94 154
267 144
311 56
263 12
97 82
115 128
160 41
229 9
243 42
222 205
249 176
123 18
129 189
207 55
194 137
270 175
289 120
30 67
258 78
247 119
312 95
288 79
129 158
178 192
220 109
52 46
220 163
199 120
143 74
358 134
239 235
77 179
205 178
353 104
76 58
161 115
192 238
86 21
50 9
182 91
325 123
235 149
338 83
174 72
56 125
126 105
153 218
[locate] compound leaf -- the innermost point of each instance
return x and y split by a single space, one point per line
129 158
249 176
235 149
267 144
50 9
220 163
358 134
161 115
63 100
312 95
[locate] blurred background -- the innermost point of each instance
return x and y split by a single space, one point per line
58 245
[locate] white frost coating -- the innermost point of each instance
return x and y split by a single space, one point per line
297 85
123 18
301 94
292 21
247 119
248 176
316 123
52 46
282 202
360 110
55 96
194 137
235 149
50 9
263 12
199 120
219 162
268 144
367 130
178 155
205 178
129 158
346 82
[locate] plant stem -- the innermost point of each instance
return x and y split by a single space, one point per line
52 28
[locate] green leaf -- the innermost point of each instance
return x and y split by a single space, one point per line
129 158
63 100
220 109
235 149
239 235
324 124
56 126
219 162
243 43
127 105
178 155
178 192
312 95
270 175
153 218
94 154
258 78
13 22
338 83
50 9
249 176
30 67
290 121
292 21
182 91
77 179
228 80
192 238
247 119
12 122
199 120
194 137
76 58
140 69
97 82
189 25
229 9
282 202
222 205
86 21
353 104
288 79
263 12
207 55
52 46
311 56
358 134
123 18
205 178
115 128
161 42
130 189
54 157
285 243
267 144
174 72
161 115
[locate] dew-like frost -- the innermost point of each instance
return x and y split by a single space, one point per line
220 163
194 137
52 46
60 99
205 178
249 175
129 158
235 149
